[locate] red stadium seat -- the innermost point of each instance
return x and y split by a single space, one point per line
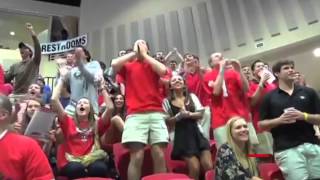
270 171
210 175
175 166
122 159
93 178
166 176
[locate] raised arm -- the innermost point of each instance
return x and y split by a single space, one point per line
158 67
106 115
79 56
237 66
257 94
119 62
36 43
217 84
55 101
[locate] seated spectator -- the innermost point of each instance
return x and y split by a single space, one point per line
114 126
83 156
32 104
189 144
45 89
21 157
232 158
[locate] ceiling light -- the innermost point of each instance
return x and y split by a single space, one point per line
316 52
12 33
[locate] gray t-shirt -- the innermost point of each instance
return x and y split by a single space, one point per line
83 85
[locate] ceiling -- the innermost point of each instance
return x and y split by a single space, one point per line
16 22
64 2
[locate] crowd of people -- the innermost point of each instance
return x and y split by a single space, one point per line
144 99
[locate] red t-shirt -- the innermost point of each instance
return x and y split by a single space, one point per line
142 87
119 79
195 83
235 104
76 143
22 158
255 110
163 89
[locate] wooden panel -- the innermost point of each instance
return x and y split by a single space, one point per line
254 20
162 33
96 45
109 48
134 32
121 37
206 33
308 11
147 29
221 28
288 14
175 30
270 17
237 23
192 41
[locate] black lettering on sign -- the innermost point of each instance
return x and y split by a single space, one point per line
43 48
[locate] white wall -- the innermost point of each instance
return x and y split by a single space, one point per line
38 8
233 27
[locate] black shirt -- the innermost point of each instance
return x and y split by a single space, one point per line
288 136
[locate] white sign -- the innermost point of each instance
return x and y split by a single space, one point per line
64 46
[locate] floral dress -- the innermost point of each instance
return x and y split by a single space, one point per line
228 167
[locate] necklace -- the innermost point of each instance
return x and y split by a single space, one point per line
84 133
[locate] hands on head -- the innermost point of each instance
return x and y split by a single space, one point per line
141 49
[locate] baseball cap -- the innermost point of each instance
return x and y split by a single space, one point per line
23 45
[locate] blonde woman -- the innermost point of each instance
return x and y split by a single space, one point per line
233 162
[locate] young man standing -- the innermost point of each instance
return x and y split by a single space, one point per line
227 86
289 112
145 121
259 86
83 80
194 80
25 72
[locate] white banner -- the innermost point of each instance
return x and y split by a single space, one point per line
64 46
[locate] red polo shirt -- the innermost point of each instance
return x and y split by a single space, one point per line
142 87
235 104
22 158
195 85
255 110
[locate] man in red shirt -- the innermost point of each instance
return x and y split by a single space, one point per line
145 121
259 87
228 87
194 80
21 157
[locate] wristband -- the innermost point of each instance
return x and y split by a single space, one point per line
306 116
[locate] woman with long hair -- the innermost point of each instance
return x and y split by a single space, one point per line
83 156
113 128
189 144
232 158
30 105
